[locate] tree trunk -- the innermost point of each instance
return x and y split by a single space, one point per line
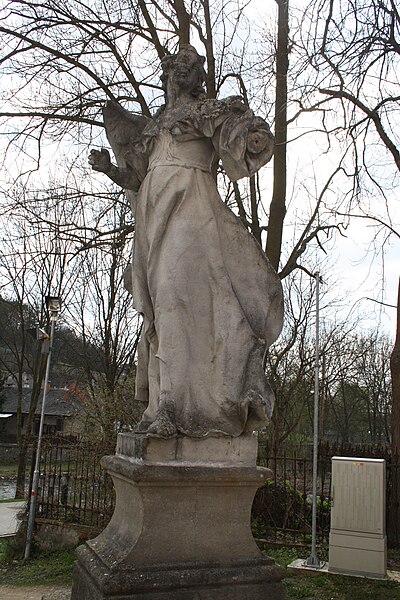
395 373
209 44
183 21
24 438
278 204
21 470
255 222
394 512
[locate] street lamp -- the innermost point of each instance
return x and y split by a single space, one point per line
313 560
53 305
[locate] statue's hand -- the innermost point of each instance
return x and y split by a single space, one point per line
258 140
100 160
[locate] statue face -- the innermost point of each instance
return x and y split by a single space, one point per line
184 72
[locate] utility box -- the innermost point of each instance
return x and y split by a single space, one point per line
357 539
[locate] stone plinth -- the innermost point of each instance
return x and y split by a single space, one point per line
181 525
239 451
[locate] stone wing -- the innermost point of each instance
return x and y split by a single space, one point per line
124 130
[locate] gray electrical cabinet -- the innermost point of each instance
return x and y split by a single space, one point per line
357 540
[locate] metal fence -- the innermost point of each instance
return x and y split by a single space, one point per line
75 489
282 508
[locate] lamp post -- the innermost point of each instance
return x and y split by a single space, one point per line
313 560
53 305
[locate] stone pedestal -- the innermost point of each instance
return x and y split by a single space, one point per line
181 525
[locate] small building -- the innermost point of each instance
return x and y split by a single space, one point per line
63 410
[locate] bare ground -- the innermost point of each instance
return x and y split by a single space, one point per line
34 593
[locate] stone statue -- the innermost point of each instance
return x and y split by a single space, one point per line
210 300
211 306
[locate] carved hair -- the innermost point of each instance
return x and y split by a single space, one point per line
168 62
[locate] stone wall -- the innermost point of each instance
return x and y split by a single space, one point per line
51 535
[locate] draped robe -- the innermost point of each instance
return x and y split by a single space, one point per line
210 300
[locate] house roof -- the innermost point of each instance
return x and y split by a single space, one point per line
59 402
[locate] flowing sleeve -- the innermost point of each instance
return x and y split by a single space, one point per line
243 141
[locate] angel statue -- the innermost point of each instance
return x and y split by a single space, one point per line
210 300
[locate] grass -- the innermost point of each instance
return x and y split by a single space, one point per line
3 500
55 568
9 470
44 568
330 587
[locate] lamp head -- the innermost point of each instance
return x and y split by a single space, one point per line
53 305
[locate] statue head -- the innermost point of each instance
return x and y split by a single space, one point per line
184 69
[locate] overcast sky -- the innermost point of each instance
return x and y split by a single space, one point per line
358 265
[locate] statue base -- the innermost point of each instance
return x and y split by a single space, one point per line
181 525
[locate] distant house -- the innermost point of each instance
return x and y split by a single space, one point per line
62 411
26 380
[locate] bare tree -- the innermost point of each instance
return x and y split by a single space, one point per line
278 202
351 62
290 364
62 61
31 267
68 243
355 387
100 308
395 371
72 58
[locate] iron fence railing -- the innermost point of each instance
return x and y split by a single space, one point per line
282 508
74 488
